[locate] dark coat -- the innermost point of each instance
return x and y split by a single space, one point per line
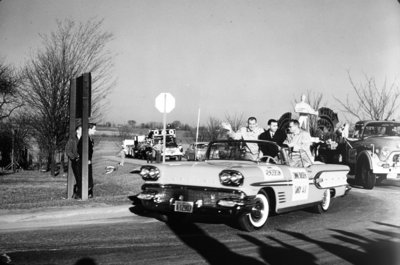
279 136
271 150
91 145
72 148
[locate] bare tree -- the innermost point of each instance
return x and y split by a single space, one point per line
236 121
203 133
15 140
21 131
176 124
132 123
371 101
10 99
213 128
68 52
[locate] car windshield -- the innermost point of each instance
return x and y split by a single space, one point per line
170 141
382 129
201 146
242 150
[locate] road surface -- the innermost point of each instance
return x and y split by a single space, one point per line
361 228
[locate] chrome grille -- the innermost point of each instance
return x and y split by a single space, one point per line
210 197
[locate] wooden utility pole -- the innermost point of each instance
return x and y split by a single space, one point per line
80 107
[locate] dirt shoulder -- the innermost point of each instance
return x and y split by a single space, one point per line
35 191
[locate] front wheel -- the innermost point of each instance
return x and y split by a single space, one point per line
368 178
258 216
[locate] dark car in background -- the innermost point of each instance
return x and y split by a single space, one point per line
196 151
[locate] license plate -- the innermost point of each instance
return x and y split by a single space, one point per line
183 207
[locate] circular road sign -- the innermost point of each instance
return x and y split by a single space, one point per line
165 102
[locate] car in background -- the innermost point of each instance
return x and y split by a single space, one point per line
373 153
228 184
196 151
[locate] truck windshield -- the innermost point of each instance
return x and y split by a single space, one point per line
382 129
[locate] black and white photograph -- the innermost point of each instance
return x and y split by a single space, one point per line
238 132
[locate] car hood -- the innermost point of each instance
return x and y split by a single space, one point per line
390 142
202 173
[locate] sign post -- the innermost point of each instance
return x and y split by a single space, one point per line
84 82
165 103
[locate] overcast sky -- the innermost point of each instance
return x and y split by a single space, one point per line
225 57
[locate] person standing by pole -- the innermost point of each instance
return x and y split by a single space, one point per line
72 152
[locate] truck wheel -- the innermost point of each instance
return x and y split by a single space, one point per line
323 206
368 178
179 158
258 216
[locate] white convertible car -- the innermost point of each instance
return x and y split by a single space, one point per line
247 190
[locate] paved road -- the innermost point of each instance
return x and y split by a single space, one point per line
362 228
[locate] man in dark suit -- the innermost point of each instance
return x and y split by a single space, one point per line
273 134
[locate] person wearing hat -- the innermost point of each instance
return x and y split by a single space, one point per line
71 150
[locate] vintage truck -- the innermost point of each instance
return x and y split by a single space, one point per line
373 152
172 150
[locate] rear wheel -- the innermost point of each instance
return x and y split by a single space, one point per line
258 216
324 205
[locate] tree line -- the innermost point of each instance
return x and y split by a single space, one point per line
212 130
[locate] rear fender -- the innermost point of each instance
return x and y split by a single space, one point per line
330 179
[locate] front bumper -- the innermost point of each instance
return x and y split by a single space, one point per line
390 166
391 169
204 200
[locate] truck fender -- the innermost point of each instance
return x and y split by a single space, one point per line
364 155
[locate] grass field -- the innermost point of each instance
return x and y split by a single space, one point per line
35 189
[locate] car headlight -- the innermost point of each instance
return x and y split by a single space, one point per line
383 154
149 173
230 177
